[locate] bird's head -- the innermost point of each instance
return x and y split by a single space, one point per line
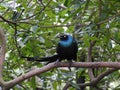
65 40
63 37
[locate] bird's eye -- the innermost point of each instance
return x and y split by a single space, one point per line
64 36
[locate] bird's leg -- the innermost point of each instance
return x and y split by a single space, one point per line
58 60
70 63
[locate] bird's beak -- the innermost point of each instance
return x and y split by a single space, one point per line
57 36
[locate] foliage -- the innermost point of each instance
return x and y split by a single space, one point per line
31 27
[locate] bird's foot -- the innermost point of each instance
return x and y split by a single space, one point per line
70 63
57 61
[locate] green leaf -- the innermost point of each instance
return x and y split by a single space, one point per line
72 14
75 85
33 83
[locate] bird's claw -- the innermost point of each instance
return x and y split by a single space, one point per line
57 61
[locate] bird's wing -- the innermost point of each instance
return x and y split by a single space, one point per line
75 45
58 49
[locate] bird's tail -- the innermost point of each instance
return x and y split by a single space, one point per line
44 59
49 59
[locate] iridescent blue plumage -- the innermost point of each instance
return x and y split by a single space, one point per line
67 42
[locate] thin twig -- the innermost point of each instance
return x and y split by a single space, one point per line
16 43
108 19
38 12
8 21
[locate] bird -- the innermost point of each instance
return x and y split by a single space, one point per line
66 48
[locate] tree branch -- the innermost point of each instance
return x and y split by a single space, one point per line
98 78
46 68
95 81
3 48
89 58
2 53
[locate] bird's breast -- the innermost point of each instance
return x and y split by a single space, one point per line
66 43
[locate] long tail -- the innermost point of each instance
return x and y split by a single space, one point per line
44 59
49 59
